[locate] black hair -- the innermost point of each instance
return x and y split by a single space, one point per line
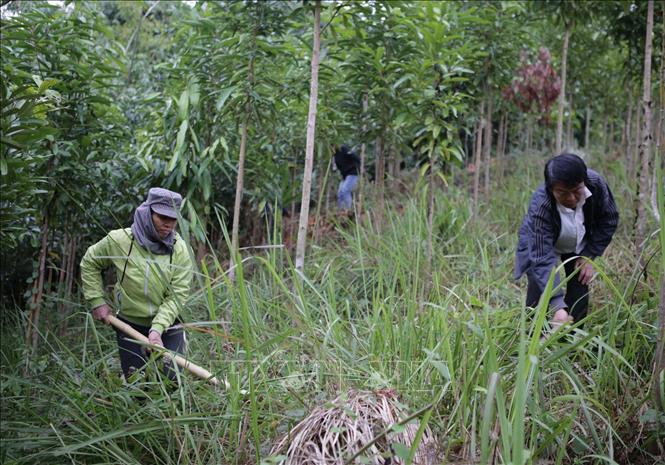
566 169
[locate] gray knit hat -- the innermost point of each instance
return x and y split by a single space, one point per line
164 202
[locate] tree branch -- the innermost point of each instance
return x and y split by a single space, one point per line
339 7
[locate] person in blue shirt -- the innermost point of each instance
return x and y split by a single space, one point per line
348 165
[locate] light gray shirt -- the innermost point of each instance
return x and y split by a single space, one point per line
571 238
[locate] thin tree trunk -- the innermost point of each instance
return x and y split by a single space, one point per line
238 198
468 147
48 288
69 282
659 169
380 171
329 192
503 140
322 179
396 163
72 264
645 146
430 231
430 213
488 145
606 132
49 280
326 170
499 135
570 143
476 162
504 143
654 192
361 180
660 110
626 139
309 145
390 161
587 128
32 333
240 181
611 143
292 212
64 266
634 169
499 154
562 94
629 136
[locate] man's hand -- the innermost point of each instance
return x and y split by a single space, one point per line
102 313
155 338
587 272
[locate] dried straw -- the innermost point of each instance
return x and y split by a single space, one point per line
335 432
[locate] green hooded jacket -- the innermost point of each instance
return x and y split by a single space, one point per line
154 287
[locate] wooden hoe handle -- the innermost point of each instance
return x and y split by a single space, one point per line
181 361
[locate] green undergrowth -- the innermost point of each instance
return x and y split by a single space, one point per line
369 313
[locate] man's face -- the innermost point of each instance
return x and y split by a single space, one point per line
163 224
568 196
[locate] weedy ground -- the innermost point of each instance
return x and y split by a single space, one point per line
369 314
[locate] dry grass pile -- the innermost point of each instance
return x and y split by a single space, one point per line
336 432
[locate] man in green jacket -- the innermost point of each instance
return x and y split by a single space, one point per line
154 272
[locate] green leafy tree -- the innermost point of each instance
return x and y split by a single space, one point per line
64 65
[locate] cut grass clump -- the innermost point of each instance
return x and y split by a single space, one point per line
370 427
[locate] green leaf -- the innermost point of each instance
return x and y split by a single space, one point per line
195 139
47 84
398 428
402 80
180 140
436 130
11 143
378 55
194 94
211 150
224 144
207 185
442 368
183 105
401 450
223 96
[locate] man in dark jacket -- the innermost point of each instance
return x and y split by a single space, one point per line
571 217
348 165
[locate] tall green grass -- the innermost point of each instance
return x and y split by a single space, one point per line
368 314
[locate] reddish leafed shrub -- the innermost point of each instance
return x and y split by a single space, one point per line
536 86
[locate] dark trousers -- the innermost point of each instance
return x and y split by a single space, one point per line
577 294
133 356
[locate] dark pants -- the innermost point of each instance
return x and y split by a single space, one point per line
133 356
577 294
